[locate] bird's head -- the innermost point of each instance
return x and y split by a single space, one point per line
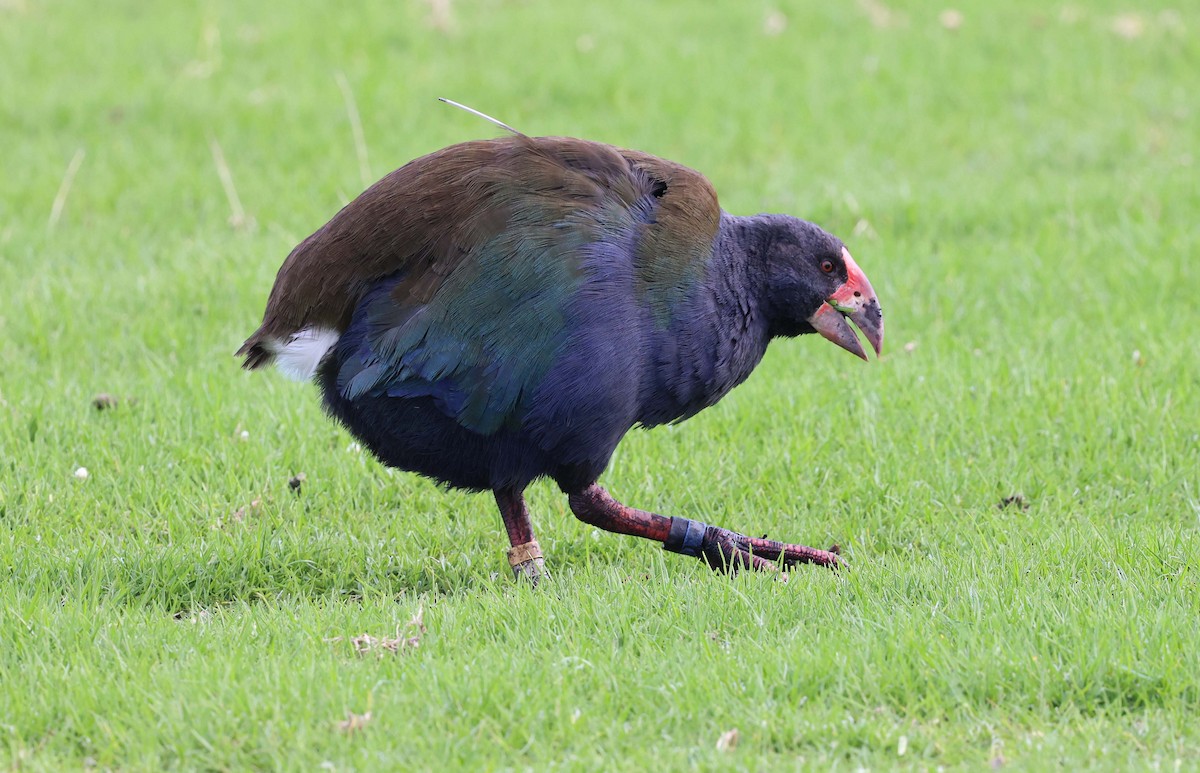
814 286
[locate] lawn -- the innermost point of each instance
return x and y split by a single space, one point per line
1015 484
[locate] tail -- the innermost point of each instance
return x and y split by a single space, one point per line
256 352
298 354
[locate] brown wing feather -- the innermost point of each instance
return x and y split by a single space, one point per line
673 251
423 218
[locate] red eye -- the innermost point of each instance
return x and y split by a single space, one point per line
827 266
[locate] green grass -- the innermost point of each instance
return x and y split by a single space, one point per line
1021 191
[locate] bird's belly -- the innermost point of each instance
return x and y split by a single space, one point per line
415 434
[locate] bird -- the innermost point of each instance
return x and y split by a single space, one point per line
505 310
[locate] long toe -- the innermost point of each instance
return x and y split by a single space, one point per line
726 551
790 554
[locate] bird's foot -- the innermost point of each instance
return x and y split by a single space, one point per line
527 562
728 551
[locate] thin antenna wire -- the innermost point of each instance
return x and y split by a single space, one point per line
484 116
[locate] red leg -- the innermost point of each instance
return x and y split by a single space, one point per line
596 506
525 556
721 549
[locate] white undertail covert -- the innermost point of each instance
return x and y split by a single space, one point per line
299 357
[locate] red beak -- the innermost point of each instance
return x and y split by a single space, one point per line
855 301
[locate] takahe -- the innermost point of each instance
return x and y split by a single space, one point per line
504 310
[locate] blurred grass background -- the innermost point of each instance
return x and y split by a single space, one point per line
1019 182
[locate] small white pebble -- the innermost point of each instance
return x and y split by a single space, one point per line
1128 25
951 19
775 24
902 746
245 435
81 473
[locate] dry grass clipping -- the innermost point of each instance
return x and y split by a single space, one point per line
354 722
407 638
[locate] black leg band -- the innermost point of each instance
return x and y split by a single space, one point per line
686 537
